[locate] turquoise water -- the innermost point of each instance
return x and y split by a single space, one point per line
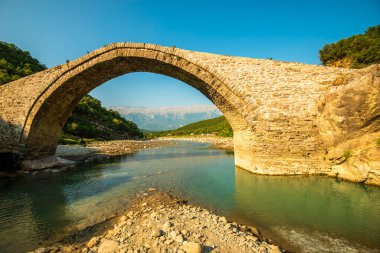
305 214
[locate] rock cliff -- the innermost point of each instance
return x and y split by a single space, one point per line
349 125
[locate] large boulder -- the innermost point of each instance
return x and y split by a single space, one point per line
350 108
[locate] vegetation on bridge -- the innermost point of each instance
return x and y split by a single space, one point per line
217 126
357 51
89 119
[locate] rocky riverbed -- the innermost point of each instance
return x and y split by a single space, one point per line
105 149
157 222
216 142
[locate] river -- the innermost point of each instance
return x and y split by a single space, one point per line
302 213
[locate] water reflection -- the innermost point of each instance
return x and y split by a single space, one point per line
313 207
31 206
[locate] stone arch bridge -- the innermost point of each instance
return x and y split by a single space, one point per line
273 107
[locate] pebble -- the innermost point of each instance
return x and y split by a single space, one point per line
173 234
123 218
168 242
108 246
274 249
130 214
92 242
41 250
192 247
156 232
223 220
168 224
178 238
255 231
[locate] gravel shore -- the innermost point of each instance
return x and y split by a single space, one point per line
217 142
105 149
157 222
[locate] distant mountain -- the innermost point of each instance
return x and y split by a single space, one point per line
166 118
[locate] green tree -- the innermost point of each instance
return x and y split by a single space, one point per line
357 51
90 120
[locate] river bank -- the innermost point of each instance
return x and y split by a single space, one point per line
225 143
159 222
103 150
68 156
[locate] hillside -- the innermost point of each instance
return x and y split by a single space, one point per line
218 126
89 119
357 51
167 118
15 63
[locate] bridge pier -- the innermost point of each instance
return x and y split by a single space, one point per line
259 157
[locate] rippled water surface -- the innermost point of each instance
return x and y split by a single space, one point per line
305 214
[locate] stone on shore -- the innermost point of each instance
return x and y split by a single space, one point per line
274 249
192 247
156 232
108 246
92 242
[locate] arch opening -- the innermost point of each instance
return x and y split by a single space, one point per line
46 119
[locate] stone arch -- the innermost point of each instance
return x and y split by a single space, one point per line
73 80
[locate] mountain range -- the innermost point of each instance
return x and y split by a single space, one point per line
166 118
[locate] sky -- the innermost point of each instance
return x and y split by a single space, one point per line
54 31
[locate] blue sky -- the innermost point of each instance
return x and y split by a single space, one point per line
54 31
